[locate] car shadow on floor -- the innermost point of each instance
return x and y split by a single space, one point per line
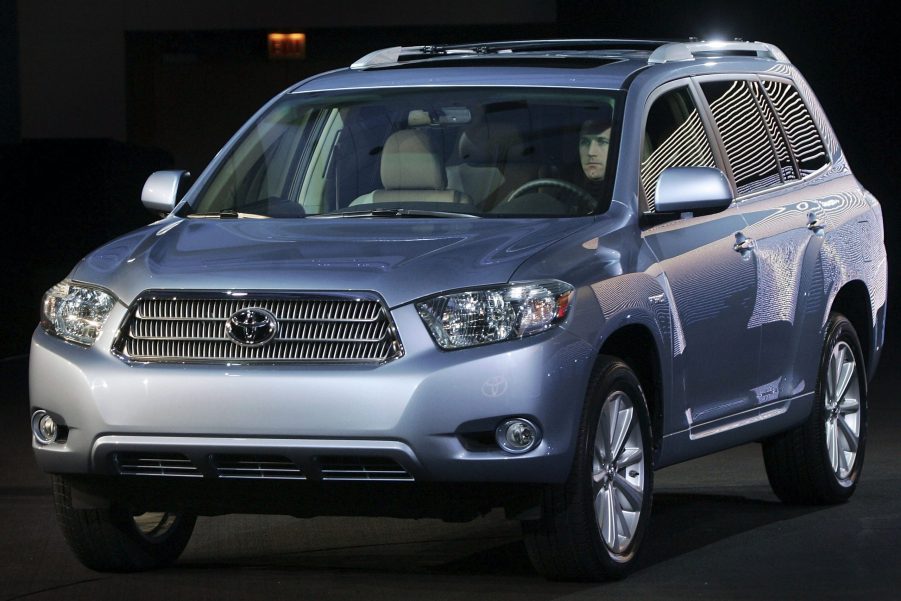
684 522
681 524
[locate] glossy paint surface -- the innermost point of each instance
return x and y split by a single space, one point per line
735 303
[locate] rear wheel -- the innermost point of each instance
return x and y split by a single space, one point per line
117 538
820 461
591 526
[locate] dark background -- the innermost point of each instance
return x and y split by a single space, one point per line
183 82
186 91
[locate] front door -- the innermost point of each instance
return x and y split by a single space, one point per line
709 268
713 288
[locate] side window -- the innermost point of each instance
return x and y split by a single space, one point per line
674 137
786 165
803 138
744 135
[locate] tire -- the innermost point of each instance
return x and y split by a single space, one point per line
574 539
819 462
115 539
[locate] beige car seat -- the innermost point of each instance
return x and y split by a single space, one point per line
411 172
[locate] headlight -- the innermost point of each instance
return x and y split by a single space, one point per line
76 312
490 315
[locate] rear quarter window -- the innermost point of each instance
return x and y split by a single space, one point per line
803 138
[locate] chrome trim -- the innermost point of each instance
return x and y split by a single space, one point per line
454 85
168 465
36 418
255 467
314 327
757 414
685 51
255 458
543 48
352 468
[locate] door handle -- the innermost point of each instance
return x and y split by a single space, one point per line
815 225
744 245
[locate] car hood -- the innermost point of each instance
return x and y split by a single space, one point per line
401 259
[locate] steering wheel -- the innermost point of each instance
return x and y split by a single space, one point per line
583 195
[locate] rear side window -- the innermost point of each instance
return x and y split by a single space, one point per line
777 135
803 137
744 133
674 137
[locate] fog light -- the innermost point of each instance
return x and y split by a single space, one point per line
43 427
517 435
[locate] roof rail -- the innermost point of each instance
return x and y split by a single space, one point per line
688 51
391 56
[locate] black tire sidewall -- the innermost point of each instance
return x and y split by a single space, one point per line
107 539
615 376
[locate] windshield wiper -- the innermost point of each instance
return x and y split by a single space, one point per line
398 212
227 214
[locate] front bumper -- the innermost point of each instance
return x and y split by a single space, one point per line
422 411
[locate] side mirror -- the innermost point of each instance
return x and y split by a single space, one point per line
160 193
692 189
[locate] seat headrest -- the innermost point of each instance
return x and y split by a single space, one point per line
418 118
408 162
483 143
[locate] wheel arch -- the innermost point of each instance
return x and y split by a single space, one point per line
637 347
853 301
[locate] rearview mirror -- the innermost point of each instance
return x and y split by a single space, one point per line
160 193
692 189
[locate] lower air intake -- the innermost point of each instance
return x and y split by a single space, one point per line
249 467
156 464
362 468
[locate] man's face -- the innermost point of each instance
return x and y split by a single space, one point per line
593 153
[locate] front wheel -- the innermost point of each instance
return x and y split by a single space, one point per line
117 538
820 461
591 526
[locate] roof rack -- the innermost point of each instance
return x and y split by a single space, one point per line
689 51
661 51
391 56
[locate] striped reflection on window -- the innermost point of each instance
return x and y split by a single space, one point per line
674 137
744 135
777 136
803 138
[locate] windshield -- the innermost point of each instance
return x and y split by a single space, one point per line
421 152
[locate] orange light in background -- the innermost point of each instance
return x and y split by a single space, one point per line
287 45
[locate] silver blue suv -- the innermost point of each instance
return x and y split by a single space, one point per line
454 278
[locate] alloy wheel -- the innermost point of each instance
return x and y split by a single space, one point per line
618 473
842 415
153 525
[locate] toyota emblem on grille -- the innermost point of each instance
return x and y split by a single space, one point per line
251 327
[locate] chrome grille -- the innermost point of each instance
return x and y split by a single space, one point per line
257 466
156 464
362 468
191 327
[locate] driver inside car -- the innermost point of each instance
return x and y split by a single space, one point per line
577 190
594 145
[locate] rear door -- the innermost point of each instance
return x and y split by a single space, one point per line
787 222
